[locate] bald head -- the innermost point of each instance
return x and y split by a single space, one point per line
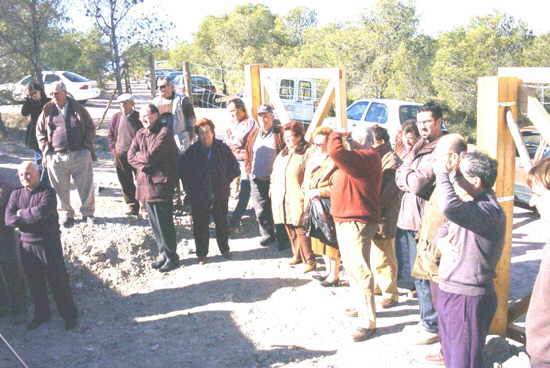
29 175
448 149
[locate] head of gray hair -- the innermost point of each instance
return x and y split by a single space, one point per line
478 164
25 164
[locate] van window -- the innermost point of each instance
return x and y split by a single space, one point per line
304 91
50 78
287 89
356 111
407 112
378 113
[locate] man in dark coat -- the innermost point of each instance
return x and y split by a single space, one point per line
32 209
206 170
122 131
154 154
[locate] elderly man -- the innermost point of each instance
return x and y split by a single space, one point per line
471 244
355 207
66 133
12 284
154 154
416 179
262 146
32 209
124 127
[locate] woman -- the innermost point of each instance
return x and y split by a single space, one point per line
287 196
537 323
33 105
406 138
206 170
319 174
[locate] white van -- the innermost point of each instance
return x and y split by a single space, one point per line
299 97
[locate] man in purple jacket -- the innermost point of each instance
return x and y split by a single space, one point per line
32 209
471 244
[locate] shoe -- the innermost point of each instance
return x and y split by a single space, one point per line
158 263
265 242
319 277
35 323
420 336
90 220
388 303
68 223
169 265
435 359
294 261
201 260
334 283
377 292
412 294
362 334
311 266
227 255
351 312
132 212
70 324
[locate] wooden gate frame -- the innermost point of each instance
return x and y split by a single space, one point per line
260 87
498 104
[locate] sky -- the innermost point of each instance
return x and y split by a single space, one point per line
436 16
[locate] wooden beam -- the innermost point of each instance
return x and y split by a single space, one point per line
253 89
275 99
322 109
494 138
527 75
518 141
341 103
310 73
536 112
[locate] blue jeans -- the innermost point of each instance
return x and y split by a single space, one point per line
44 179
244 195
407 242
404 265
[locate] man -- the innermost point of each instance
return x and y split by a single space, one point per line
154 154
383 252
416 179
66 133
12 284
262 146
471 244
537 323
355 207
236 137
124 127
32 209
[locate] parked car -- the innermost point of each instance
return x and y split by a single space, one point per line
390 114
537 149
203 90
79 87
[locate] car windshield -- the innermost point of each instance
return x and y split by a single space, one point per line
27 80
73 77
407 112
378 113
356 111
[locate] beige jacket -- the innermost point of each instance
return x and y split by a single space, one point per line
287 196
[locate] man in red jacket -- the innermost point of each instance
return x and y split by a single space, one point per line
355 206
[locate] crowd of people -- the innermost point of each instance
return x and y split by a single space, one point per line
417 212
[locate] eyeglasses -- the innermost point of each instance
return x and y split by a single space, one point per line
163 86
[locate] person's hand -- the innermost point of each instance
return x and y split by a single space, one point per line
440 165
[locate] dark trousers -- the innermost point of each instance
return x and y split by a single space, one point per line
262 206
463 325
428 315
125 173
45 262
200 214
244 195
301 244
12 283
161 217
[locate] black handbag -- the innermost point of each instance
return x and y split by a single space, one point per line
318 222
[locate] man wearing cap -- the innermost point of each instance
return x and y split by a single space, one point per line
123 128
66 133
262 146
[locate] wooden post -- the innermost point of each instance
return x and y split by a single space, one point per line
253 88
322 109
340 101
187 80
494 138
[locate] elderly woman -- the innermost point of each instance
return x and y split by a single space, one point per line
287 196
319 174
538 319
206 170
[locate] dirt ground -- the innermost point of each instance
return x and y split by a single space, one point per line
252 311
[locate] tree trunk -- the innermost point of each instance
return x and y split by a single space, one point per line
114 49
152 76
37 68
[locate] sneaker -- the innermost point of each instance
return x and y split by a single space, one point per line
420 336
68 223
168 266
362 334
388 303
160 261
